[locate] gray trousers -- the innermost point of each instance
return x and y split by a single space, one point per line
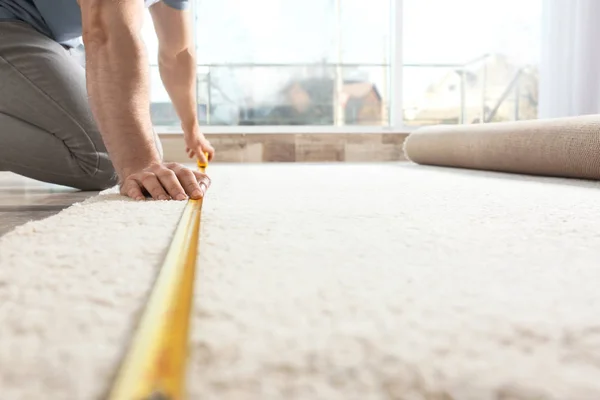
47 131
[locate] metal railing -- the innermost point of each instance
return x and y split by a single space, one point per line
326 68
513 87
462 69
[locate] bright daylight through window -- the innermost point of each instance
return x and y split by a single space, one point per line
331 62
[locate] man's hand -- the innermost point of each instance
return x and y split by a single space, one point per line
165 182
196 145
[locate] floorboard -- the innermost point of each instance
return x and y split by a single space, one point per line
23 200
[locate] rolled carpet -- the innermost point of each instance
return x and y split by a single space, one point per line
560 147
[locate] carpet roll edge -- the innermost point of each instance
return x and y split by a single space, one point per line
560 147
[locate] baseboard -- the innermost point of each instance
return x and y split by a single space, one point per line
294 147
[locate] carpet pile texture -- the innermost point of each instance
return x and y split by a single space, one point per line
323 282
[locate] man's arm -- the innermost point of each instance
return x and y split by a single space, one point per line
117 83
177 66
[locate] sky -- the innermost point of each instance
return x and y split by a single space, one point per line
305 31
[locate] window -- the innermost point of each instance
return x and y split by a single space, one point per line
336 63
287 62
470 60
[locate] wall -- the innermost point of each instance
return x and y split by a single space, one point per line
302 147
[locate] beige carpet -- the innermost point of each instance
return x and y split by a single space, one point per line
324 282
559 147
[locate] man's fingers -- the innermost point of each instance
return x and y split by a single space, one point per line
203 181
189 182
166 181
170 182
204 185
132 189
151 183
201 177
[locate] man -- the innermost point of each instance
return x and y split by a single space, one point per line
89 126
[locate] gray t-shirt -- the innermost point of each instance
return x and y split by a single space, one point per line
58 19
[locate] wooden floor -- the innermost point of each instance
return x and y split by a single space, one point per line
23 200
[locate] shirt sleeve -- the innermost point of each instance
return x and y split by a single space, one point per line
177 4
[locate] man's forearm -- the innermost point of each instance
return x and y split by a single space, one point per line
117 83
178 74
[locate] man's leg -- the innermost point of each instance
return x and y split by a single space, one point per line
35 153
47 131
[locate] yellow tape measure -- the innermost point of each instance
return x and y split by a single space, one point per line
154 368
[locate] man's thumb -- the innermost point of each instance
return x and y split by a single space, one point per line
201 156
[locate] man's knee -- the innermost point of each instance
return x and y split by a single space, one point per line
106 179
96 183
93 162
103 177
